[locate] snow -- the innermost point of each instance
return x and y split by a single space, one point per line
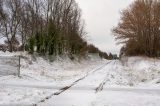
132 81
72 98
18 95
143 70
2 40
129 98
9 65
117 90
38 73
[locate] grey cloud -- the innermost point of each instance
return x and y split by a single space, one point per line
100 17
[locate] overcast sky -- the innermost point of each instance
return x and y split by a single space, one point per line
100 16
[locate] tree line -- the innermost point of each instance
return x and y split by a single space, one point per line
93 49
47 27
139 28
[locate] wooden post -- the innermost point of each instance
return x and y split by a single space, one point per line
19 66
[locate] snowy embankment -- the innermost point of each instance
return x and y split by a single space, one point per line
100 82
142 71
118 85
39 77
142 87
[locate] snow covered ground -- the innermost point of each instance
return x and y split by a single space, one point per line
133 81
38 74
127 98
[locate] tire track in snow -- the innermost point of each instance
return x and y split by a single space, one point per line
74 83
101 85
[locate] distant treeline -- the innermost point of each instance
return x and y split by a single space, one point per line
139 28
93 49
47 27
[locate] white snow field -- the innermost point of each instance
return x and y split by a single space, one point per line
133 81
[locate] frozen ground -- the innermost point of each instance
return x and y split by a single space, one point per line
133 81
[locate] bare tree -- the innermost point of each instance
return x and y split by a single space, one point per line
139 28
51 26
11 22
